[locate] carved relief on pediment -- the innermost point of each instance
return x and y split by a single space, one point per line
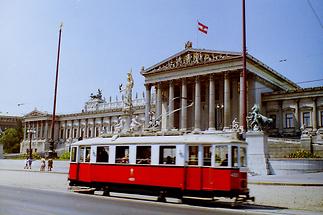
35 113
190 59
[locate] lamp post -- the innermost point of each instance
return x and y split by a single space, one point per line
219 108
31 132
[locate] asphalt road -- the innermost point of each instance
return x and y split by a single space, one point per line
22 201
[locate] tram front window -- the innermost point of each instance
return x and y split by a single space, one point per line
193 155
143 155
102 154
87 154
81 154
221 156
243 156
122 154
73 154
167 155
235 156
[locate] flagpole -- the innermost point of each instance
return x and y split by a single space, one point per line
197 36
52 140
244 69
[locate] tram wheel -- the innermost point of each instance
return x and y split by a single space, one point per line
162 196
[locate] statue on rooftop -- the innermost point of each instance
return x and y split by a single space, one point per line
127 96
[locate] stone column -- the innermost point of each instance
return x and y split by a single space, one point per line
46 130
158 103
37 129
41 129
227 102
314 115
197 111
212 104
297 121
281 118
25 130
64 133
147 104
171 105
93 129
241 101
184 106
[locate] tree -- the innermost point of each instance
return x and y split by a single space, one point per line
11 139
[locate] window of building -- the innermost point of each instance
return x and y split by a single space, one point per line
207 155
167 155
96 132
68 133
90 133
102 154
75 133
289 120
122 154
143 155
321 118
307 119
193 155
62 133
73 154
221 155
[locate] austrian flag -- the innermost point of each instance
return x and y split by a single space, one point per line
203 28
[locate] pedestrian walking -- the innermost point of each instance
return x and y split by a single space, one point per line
26 164
30 161
42 164
50 164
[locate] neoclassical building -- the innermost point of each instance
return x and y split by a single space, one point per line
194 90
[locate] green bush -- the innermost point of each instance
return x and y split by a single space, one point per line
302 154
65 156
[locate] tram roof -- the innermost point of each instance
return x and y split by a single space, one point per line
183 139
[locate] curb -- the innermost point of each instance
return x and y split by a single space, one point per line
287 184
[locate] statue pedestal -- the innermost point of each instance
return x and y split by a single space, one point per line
257 153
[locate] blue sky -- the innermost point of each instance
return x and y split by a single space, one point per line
103 40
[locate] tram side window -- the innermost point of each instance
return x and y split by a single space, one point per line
122 154
73 154
87 154
82 153
243 156
207 155
193 155
234 156
167 155
102 154
221 155
143 155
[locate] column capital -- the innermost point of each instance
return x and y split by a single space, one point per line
147 85
211 77
226 75
197 79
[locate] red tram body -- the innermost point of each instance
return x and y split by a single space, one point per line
167 166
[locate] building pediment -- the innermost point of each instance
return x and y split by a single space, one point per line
36 113
190 58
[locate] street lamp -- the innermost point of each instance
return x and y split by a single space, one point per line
31 132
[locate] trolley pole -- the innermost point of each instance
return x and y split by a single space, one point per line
244 72
51 143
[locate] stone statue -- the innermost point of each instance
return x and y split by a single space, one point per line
135 125
257 122
188 45
119 126
235 124
127 98
97 96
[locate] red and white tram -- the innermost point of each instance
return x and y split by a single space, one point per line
166 166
